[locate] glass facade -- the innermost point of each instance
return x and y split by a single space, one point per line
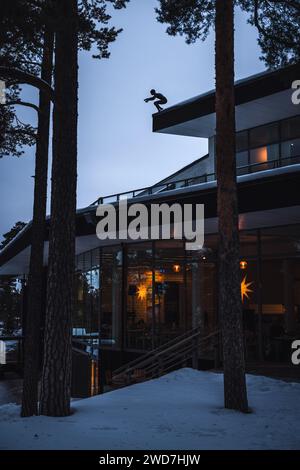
271 297
111 295
137 297
139 329
12 300
269 146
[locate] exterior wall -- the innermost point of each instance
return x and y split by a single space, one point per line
163 291
202 166
261 148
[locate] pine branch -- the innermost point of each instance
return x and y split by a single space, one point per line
263 31
22 77
22 103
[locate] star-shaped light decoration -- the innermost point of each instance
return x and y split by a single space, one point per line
245 288
142 291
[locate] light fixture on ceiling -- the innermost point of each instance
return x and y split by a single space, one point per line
243 265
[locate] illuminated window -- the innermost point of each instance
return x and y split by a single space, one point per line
264 154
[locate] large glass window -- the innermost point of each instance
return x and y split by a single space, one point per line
250 305
241 141
86 314
291 150
290 128
167 291
140 325
11 319
264 135
263 155
242 158
268 146
280 291
201 293
111 296
170 301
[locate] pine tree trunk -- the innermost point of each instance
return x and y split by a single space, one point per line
230 305
56 376
35 281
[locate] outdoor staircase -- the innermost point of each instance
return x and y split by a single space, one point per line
181 351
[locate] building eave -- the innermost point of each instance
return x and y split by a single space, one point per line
196 116
262 191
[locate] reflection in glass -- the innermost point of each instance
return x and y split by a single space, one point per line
139 328
201 294
291 149
169 309
241 141
290 128
86 314
264 135
111 296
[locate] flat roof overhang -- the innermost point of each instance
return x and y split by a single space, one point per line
259 99
266 199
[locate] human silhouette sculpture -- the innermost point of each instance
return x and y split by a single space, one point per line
161 99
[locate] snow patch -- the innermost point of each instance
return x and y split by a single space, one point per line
181 410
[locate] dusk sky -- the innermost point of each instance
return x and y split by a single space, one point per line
117 150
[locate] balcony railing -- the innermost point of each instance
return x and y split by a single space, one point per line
187 182
269 165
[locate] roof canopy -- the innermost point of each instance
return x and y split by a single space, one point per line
260 99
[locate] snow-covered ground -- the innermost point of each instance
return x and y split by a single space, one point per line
182 410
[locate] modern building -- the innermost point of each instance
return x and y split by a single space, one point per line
137 296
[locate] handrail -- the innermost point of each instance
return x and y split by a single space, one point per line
275 163
157 188
180 349
156 350
186 182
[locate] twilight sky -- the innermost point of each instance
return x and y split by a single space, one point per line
117 150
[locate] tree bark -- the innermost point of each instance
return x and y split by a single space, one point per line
230 305
35 281
56 375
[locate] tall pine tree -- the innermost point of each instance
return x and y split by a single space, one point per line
26 45
278 28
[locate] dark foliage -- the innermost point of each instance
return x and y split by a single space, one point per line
278 25
277 22
10 306
7 237
22 25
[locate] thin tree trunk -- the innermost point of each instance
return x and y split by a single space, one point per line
35 281
56 376
230 306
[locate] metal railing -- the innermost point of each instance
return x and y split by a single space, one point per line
268 165
156 189
187 182
170 356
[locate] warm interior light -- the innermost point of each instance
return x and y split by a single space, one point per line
176 268
245 288
261 155
243 264
142 291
